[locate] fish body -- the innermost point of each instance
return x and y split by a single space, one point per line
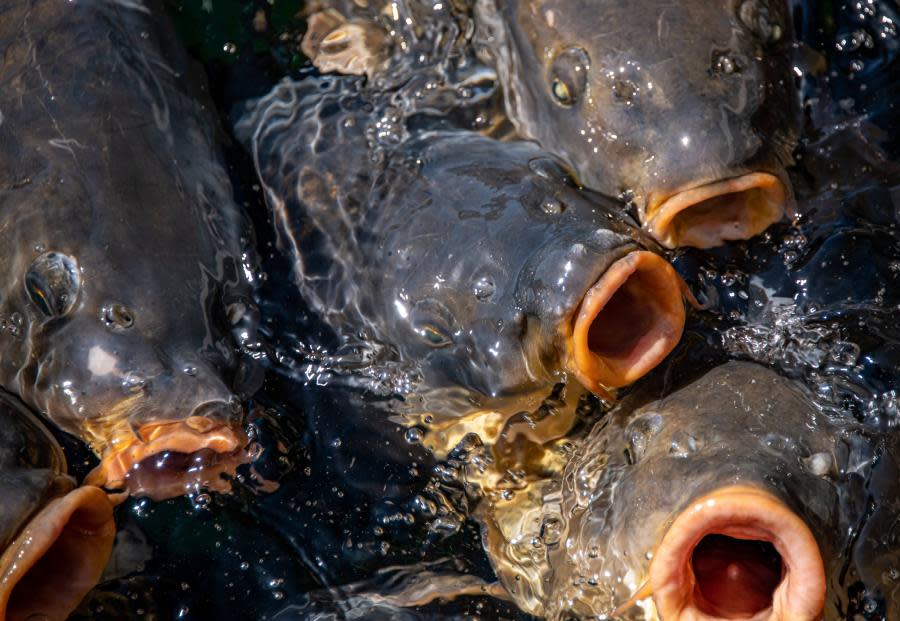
688 109
123 272
479 260
731 497
45 523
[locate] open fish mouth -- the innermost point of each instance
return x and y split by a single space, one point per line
169 459
738 553
58 557
628 321
713 214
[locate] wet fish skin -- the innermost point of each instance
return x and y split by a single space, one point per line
43 517
123 271
651 98
464 253
644 464
32 468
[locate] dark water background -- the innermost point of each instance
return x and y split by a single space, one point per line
347 478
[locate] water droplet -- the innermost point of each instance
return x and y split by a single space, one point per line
552 206
683 444
202 501
414 435
484 288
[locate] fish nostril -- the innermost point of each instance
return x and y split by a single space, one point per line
726 63
134 383
117 316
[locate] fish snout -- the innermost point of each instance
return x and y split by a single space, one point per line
58 557
712 214
738 552
166 457
628 321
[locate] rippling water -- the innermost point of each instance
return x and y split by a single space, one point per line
338 495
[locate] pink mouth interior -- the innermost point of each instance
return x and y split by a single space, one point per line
735 578
738 553
628 322
623 321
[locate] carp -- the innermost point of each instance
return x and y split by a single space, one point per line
124 287
478 260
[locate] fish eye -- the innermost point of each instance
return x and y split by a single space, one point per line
52 283
568 76
562 93
117 316
433 336
432 322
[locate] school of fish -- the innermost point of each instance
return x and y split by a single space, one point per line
491 207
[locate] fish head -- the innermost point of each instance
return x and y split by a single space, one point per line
724 500
137 372
498 273
688 109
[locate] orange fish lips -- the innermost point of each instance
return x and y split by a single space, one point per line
169 459
738 552
58 557
713 214
628 322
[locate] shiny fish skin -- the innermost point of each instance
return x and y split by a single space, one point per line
44 518
32 468
122 268
643 465
652 99
468 255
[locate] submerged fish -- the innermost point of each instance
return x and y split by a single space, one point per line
731 498
122 274
477 260
688 108
55 539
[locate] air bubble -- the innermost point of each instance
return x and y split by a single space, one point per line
414 435
552 206
484 288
